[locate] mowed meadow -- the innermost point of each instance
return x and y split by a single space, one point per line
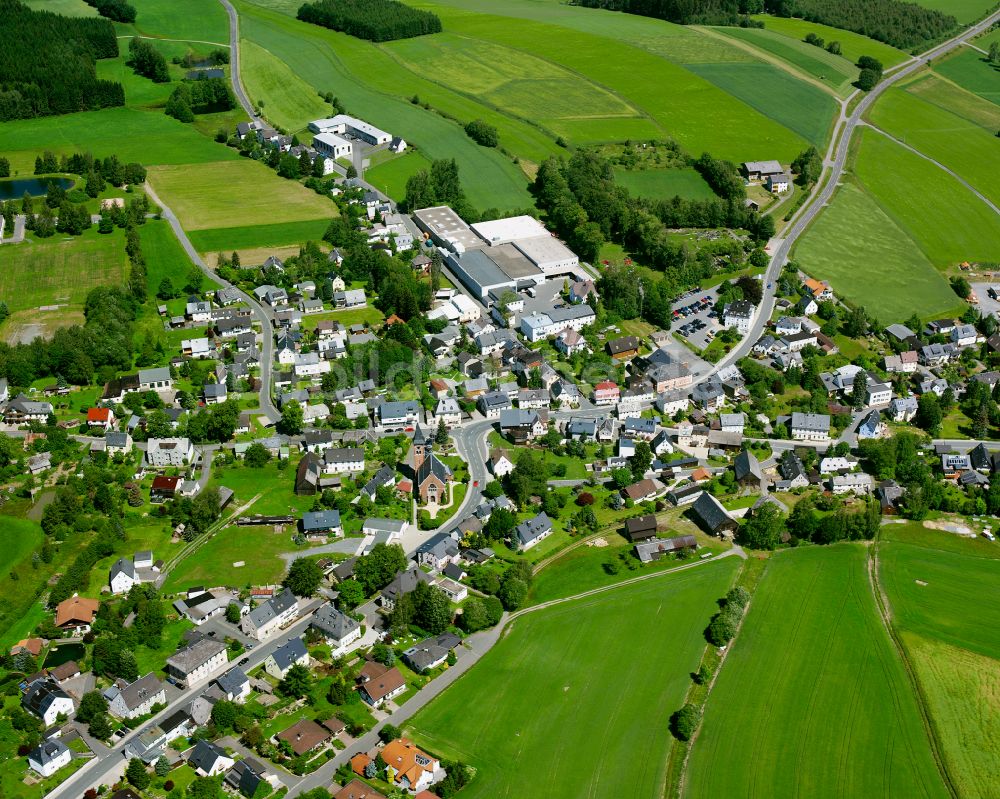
812 700
574 700
936 583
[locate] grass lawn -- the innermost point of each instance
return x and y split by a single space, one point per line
954 652
66 8
662 184
182 19
855 237
971 70
58 271
367 79
812 700
835 71
391 176
260 236
149 137
18 539
964 11
963 146
947 221
606 684
208 197
956 425
799 106
853 45
369 315
164 256
291 102
153 659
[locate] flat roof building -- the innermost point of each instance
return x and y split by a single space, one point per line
447 229
548 254
506 231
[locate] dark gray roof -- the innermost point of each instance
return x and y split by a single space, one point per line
404 583
123 566
746 465
711 513
288 653
232 681
40 694
48 751
332 623
320 520
432 464
430 651
532 529
273 607
792 466
245 775
205 754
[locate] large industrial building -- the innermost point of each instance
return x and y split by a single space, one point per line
332 146
351 126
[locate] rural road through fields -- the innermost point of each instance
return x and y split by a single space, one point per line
234 59
267 338
836 162
478 645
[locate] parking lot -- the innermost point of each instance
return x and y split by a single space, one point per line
694 319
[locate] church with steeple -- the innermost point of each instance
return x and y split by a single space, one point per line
431 475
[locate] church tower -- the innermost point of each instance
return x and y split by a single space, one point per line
421 448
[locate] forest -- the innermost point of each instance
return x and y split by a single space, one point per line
116 10
47 63
901 24
375 20
684 12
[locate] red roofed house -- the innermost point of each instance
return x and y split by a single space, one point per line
358 763
100 417
33 646
407 766
379 684
606 393
164 488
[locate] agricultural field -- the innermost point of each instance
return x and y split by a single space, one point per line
855 237
662 184
291 102
948 222
164 255
965 11
57 272
971 70
206 198
853 45
391 176
800 705
834 71
260 236
799 106
67 8
932 578
610 710
935 132
18 539
188 20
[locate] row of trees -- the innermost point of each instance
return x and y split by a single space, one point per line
374 20
901 24
204 96
109 169
47 63
146 60
116 10
685 12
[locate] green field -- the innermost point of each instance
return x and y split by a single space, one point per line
164 255
954 651
854 239
833 70
182 19
965 11
367 81
67 8
18 539
812 700
801 107
246 191
960 144
391 176
853 45
970 70
242 238
291 102
948 222
608 671
212 564
662 184
57 272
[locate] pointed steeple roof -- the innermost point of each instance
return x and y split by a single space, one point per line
418 436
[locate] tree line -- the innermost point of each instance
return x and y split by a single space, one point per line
902 24
374 20
146 60
116 10
204 96
47 63
685 12
110 169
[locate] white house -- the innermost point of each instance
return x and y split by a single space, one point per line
738 314
343 460
207 759
165 452
270 615
855 483
196 661
332 145
810 426
291 653
538 326
122 576
500 464
47 701
157 379
50 756
131 700
200 311
339 629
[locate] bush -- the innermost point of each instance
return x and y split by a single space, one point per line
684 722
738 596
723 626
483 133
584 498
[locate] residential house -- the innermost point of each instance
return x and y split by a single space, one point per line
131 700
500 463
747 469
532 531
431 652
46 700
521 426
322 523
964 336
116 442
810 426
215 393
640 528
408 767
76 614
836 465
623 348
339 629
270 616
165 452
21 410
157 379
245 777
492 403
235 685
857 483
397 416
606 393
48 757
903 409
291 653
793 470
656 548
438 551
871 426
379 684
739 315
343 460
122 576
714 518
304 736
208 759
196 661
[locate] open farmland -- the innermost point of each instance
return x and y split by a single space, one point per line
835 71
257 236
662 184
246 191
212 563
812 700
599 708
291 102
67 8
853 45
932 579
965 11
391 176
948 222
182 19
961 145
971 70
164 255
854 237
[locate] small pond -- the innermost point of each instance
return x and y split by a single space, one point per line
36 187
64 654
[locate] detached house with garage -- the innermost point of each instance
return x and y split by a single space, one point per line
131 700
339 629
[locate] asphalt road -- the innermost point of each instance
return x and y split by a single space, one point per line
267 337
834 165
234 59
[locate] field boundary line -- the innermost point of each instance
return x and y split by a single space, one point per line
165 39
885 614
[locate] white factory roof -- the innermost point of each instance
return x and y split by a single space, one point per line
445 225
544 250
323 125
331 140
505 231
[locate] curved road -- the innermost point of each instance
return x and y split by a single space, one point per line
834 164
234 59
